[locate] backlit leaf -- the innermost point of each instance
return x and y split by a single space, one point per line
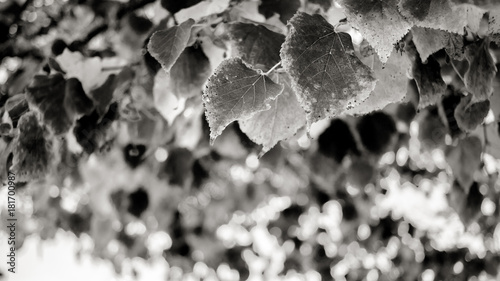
167 45
255 44
326 75
482 70
235 91
392 84
464 160
379 22
280 122
428 40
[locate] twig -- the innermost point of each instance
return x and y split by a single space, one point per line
273 68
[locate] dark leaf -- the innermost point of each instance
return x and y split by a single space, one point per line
32 152
464 160
255 44
103 95
47 93
469 115
173 6
337 140
76 100
376 131
284 8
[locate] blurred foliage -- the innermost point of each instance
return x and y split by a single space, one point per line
409 192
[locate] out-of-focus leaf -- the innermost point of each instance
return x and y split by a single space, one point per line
482 70
167 45
376 131
332 145
189 73
326 75
76 100
464 160
284 8
469 115
235 91
32 152
47 93
430 83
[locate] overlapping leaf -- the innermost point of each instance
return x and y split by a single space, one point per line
189 73
167 45
255 44
391 86
380 23
280 122
430 83
235 91
326 75
442 14
482 70
469 115
47 93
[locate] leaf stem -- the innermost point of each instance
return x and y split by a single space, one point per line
273 68
456 71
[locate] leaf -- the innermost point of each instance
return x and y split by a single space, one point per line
32 150
428 78
392 84
467 203
337 140
482 70
326 4
76 100
16 106
167 45
326 75
485 4
469 115
376 131
235 91
103 95
47 93
428 40
465 159
494 26
189 73
90 131
202 10
173 6
280 122
379 22
284 8
442 14
255 44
